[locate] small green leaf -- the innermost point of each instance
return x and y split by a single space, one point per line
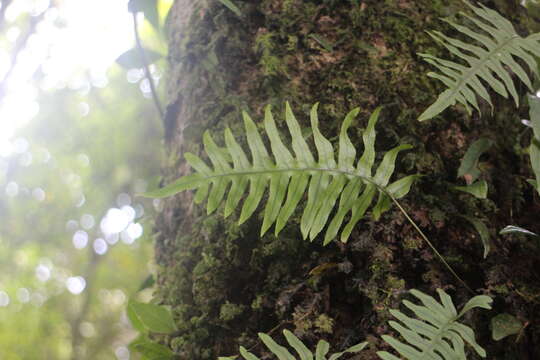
152 317
322 350
483 231
151 350
231 6
510 229
322 41
504 325
479 189
469 164
133 59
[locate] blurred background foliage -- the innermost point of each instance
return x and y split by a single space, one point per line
79 137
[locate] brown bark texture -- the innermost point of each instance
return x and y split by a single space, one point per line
225 284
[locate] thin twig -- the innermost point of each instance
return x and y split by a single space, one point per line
19 46
417 228
147 73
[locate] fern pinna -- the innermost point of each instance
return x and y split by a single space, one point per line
288 176
500 47
282 353
436 333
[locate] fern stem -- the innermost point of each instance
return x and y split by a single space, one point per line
417 228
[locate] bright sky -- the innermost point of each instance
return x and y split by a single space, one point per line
93 35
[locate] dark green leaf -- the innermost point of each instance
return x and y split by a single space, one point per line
152 317
479 189
483 231
147 283
469 165
133 59
504 325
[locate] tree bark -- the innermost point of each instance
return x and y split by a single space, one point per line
225 284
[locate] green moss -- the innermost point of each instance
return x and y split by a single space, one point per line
230 311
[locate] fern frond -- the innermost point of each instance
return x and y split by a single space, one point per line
500 47
304 353
436 334
289 175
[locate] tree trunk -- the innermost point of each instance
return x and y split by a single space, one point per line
225 283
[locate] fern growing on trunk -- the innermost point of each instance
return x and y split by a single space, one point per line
490 63
434 334
328 181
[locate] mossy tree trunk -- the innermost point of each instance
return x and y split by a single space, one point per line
225 284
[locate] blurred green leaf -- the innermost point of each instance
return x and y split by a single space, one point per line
504 325
482 229
150 317
231 6
479 189
133 59
469 165
510 229
149 8
134 319
151 350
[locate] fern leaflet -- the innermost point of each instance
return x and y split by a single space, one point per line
304 353
289 176
436 334
500 46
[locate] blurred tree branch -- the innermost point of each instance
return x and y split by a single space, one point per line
19 45
5 4
89 275
147 73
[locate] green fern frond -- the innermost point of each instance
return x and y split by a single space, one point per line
304 353
491 62
436 334
288 177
